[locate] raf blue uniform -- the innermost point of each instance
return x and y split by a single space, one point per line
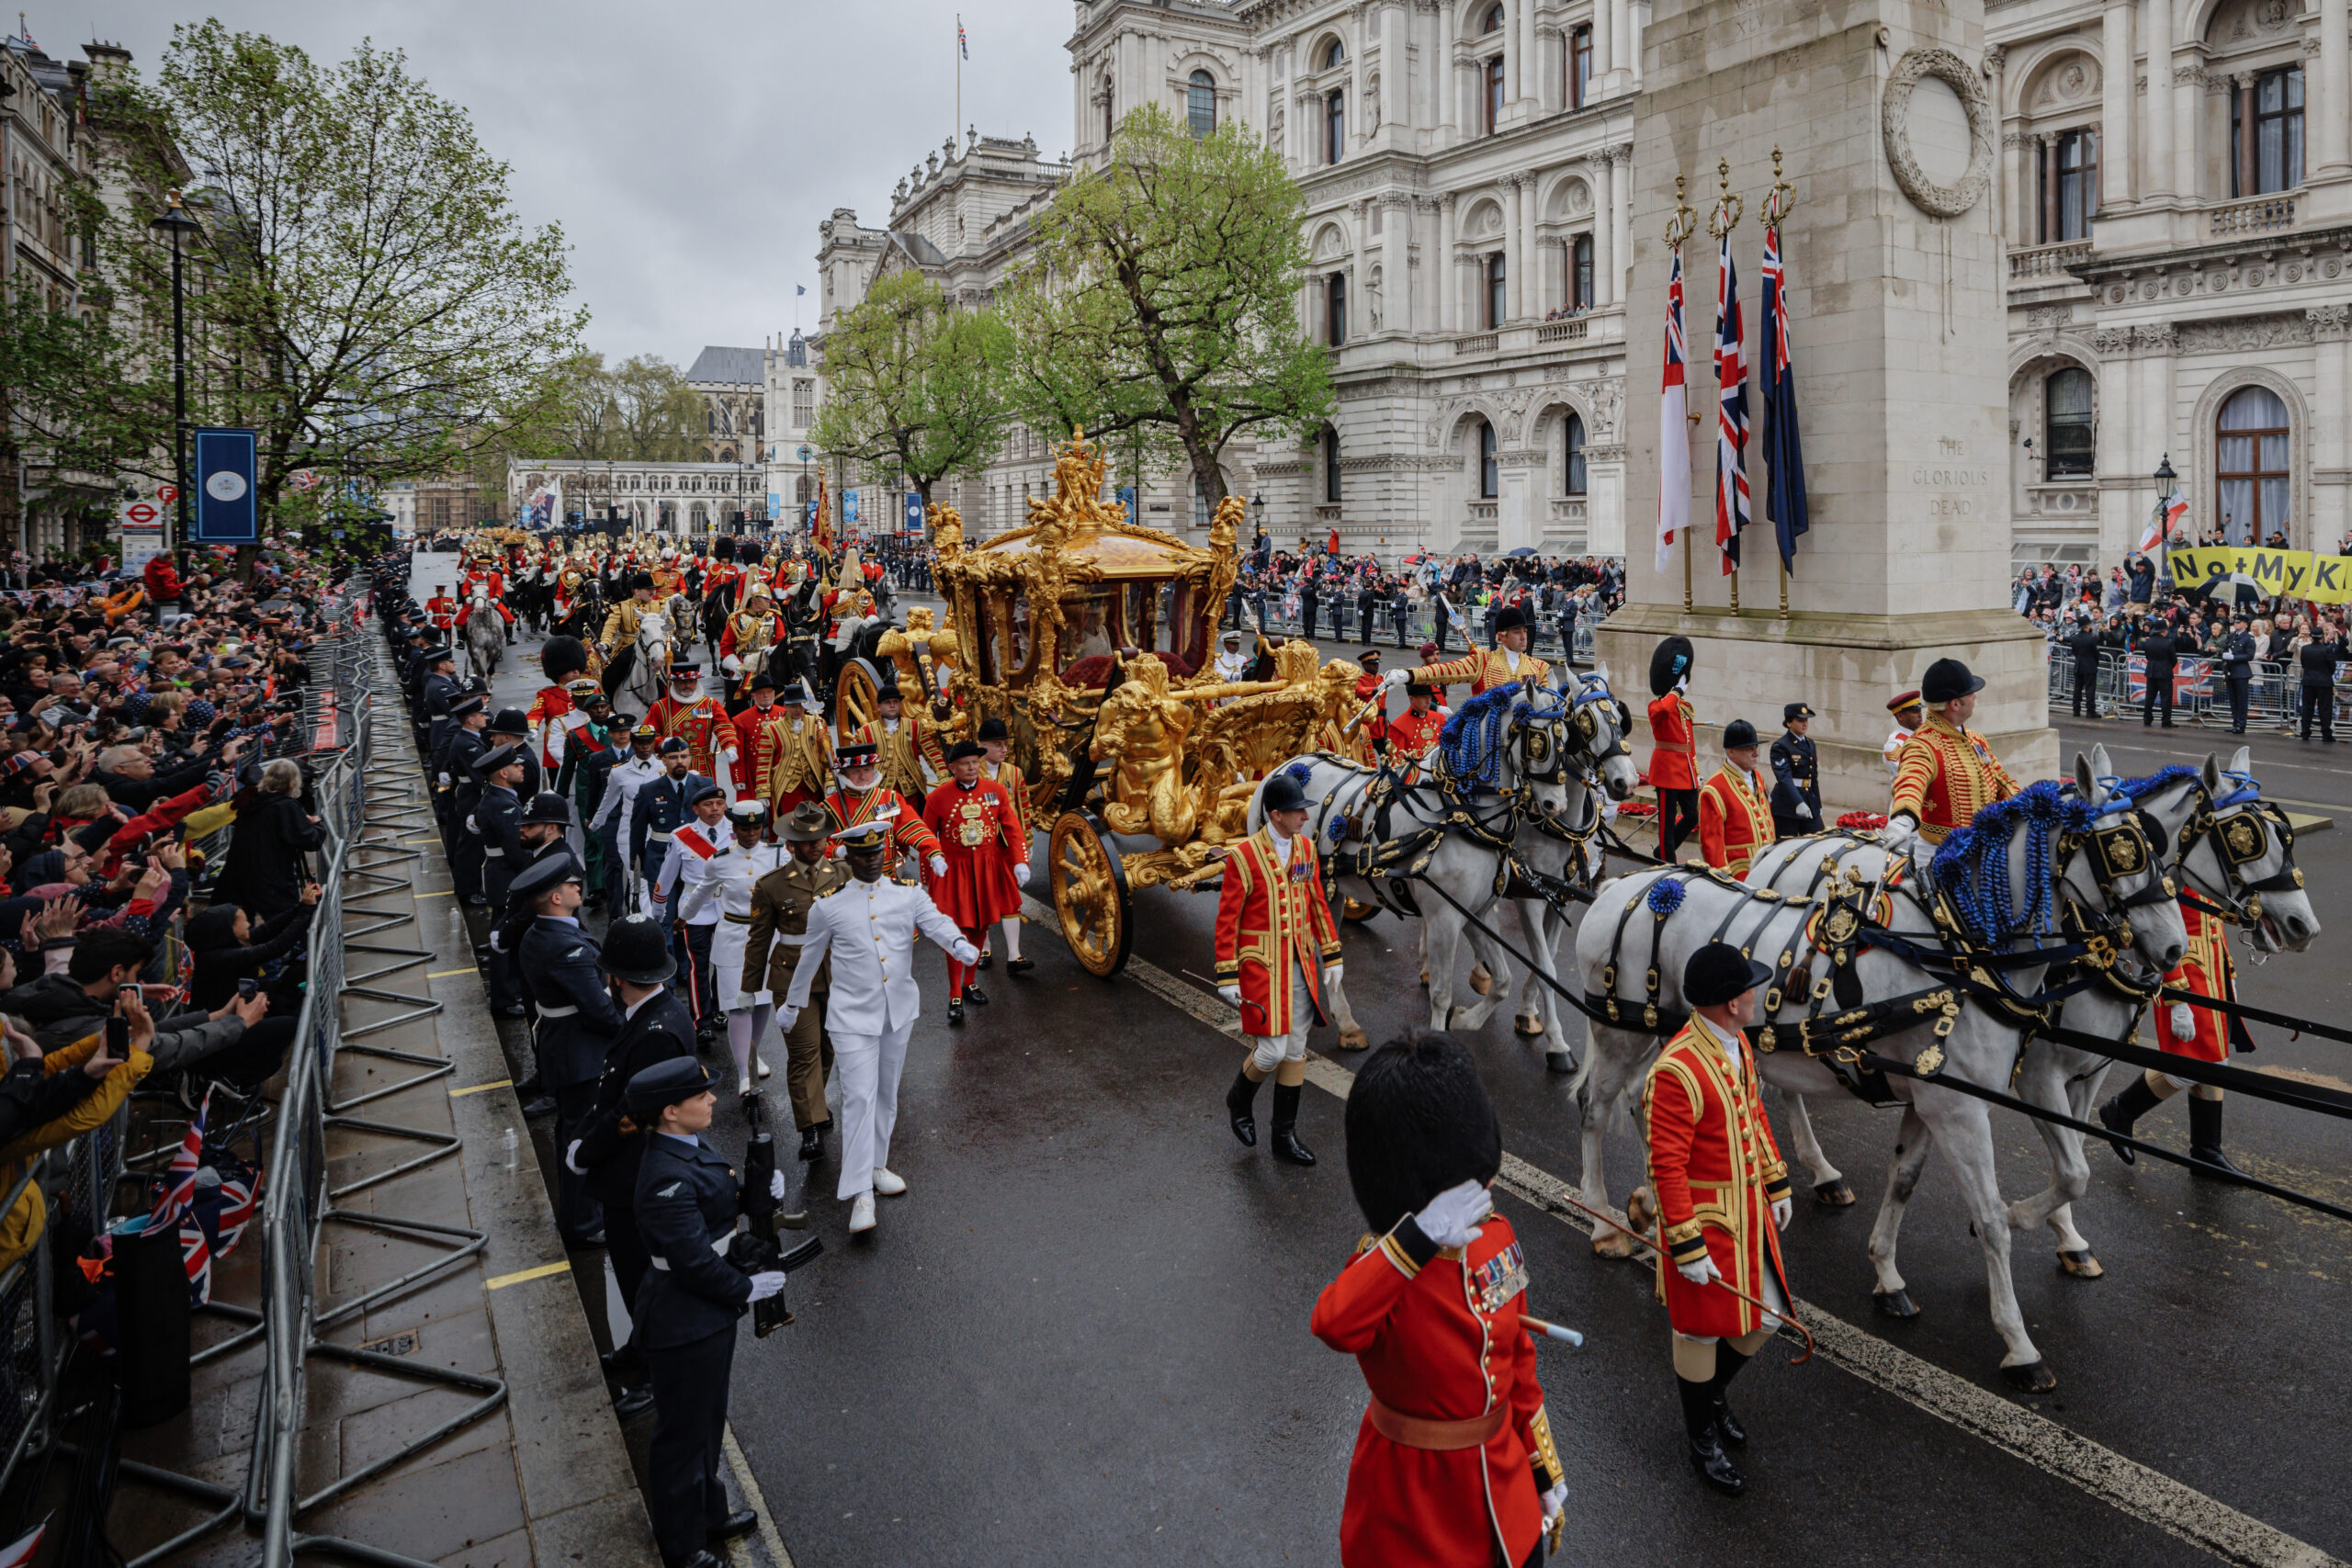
498 816
660 812
659 1030
578 1020
1796 780
458 754
433 710
686 1312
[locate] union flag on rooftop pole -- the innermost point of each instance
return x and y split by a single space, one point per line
1731 412
1784 496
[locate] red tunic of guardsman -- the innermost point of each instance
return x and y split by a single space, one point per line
443 611
701 723
549 707
2195 1033
1946 773
487 575
1674 760
1274 931
1735 816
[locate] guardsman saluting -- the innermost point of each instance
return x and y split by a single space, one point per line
1735 805
1723 1196
1674 760
1946 773
1454 1465
1277 948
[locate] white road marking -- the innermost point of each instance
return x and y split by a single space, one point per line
2122 1483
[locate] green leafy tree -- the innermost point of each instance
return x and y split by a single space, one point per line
914 383
367 301
78 403
1160 302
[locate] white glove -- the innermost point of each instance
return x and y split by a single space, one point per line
775 1185
1021 873
1232 994
1331 974
939 865
2184 1022
1555 1501
471 825
572 1158
1452 1217
1701 1270
1898 835
1782 1210
1804 811
965 953
785 1018
767 1283
1396 678
445 781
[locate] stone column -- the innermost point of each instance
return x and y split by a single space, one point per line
1531 64
2331 451
1396 66
1447 272
2047 189
1902 334
2117 458
2158 345
2242 149
1360 129
1396 287
1601 170
2156 140
1449 85
1519 300
2116 143
2330 110
2188 104
1626 29
1623 216
1604 39
2016 179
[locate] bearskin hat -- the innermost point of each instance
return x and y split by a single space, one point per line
562 658
722 547
1669 661
1419 1122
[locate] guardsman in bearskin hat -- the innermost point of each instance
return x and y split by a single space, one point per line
553 713
1946 773
1484 668
1674 758
980 834
1735 805
1723 1195
1277 949
1454 1465
1796 776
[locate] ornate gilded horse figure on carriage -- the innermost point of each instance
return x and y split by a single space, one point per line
1093 638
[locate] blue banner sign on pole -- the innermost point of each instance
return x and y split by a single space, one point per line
849 506
914 511
227 509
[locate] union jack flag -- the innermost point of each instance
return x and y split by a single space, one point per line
176 1206
1731 412
962 43
1673 440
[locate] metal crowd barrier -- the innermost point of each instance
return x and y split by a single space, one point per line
2201 693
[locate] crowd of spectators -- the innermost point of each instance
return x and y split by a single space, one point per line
1358 598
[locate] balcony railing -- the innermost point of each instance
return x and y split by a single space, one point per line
1483 511
2260 215
2047 261
1563 331
1482 343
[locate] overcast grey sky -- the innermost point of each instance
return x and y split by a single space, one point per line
688 152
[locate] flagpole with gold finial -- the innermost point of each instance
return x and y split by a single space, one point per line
1680 228
1720 222
1777 203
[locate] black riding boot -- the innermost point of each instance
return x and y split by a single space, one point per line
1287 1144
1708 1460
2119 1113
1728 1362
1241 1102
2205 1135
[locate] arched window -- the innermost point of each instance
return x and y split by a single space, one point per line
1580 271
1200 103
1335 308
1335 124
1575 454
1494 22
1490 75
727 454
1497 301
1334 53
1109 111
1491 470
710 422
2251 464
2066 435
1331 466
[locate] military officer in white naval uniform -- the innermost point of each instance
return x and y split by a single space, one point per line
723 888
868 930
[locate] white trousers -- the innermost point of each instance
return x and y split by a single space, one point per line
867 1067
1268 1052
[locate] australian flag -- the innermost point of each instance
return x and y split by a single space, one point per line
1784 502
1731 412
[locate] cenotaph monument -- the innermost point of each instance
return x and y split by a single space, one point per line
1894 249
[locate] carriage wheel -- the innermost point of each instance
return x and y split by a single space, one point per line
1090 889
1355 912
855 689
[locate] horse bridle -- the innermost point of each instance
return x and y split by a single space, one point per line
2238 829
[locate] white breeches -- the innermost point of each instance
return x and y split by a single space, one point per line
867 1067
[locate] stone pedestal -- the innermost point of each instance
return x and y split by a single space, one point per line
1882 116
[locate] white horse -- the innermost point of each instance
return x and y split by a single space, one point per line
1644 928
1466 810
648 671
485 633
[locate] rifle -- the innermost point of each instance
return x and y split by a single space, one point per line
755 1248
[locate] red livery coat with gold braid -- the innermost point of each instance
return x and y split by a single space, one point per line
1945 776
1484 668
1674 762
1438 1336
1410 734
978 832
2206 970
1272 925
1735 820
908 835
1716 1170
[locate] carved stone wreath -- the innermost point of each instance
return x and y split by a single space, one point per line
1894 124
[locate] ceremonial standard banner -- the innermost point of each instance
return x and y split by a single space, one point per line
2292 574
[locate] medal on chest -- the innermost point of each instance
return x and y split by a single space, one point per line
1499 1278
971 823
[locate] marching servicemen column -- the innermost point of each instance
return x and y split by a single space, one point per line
1710 1144
867 929
576 1022
498 822
1276 947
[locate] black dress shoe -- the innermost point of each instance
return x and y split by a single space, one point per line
1019 965
733 1525
812 1142
592 1240
987 960
695 1560
954 1012
975 996
1709 1463
533 1110
632 1404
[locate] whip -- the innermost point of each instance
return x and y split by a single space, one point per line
1784 1314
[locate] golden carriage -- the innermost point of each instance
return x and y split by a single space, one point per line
1094 639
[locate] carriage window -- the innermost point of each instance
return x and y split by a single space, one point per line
1090 630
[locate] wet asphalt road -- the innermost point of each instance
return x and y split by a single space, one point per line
1083 1331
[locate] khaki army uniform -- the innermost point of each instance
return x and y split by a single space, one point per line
780 905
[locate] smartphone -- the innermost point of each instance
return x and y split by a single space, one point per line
246 987
118 1037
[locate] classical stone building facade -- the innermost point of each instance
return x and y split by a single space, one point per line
2178 239
691 500
732 385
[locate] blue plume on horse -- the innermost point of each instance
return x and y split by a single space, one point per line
1666 896
1302 772
1972 865
1471 744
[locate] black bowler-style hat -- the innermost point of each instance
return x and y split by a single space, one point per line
1739 733
1283 792
1718 972
1948 679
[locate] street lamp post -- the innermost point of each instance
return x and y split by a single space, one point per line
174 221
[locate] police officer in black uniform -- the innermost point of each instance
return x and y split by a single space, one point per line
661 809
1796 776
2237 670
577 1021
498 824
687 1200
656 1027
2317 660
